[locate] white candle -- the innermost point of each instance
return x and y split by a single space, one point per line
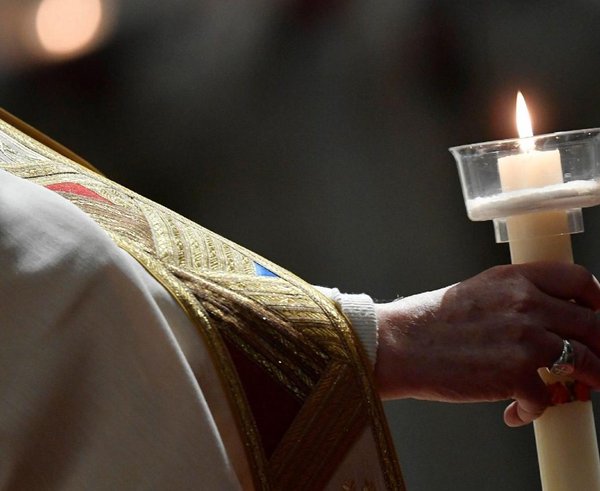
565 434
534 169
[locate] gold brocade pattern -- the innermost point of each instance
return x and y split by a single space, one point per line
284 326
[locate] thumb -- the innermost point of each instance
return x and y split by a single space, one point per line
529 406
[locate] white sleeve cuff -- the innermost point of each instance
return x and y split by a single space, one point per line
360 311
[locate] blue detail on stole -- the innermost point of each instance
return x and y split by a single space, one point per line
262 271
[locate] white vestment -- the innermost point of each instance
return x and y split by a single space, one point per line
104 381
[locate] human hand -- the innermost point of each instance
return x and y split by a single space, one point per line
485 338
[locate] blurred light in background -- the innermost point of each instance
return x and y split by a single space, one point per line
43 31
67 27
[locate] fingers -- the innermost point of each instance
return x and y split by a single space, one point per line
531 402
515 415
561 283
587 365
533 396
572 321
576 283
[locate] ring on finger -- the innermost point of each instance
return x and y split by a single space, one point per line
565 364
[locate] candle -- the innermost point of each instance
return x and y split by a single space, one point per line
565 434
534 169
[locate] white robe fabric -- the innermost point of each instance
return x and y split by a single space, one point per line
104 382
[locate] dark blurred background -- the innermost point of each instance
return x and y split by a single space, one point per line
315 132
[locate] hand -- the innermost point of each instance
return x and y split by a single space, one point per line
485 338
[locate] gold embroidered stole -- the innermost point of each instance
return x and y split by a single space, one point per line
298 381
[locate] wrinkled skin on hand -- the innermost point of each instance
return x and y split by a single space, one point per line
485 338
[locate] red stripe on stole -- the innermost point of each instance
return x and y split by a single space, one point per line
74 188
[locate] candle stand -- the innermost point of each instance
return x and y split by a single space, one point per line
533 189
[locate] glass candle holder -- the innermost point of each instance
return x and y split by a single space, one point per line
551 172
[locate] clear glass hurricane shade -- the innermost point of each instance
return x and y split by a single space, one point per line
485 198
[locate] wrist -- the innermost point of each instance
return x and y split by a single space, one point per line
397 373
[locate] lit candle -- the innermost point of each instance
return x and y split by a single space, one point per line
565 434
534 169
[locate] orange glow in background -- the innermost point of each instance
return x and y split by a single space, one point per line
65 27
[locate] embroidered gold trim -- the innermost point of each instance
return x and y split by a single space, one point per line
229 378
318 446
47 142
326 370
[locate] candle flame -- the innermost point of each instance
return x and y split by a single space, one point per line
524 123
